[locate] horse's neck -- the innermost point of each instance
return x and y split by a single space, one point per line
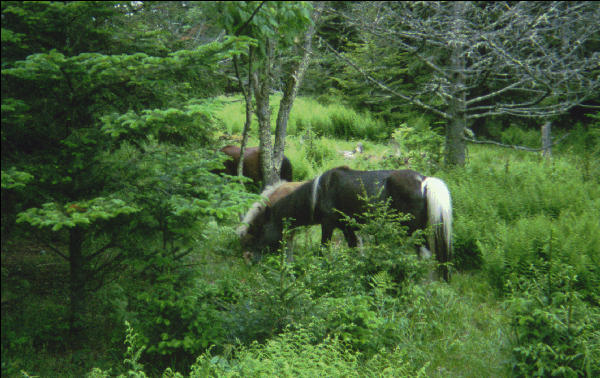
295 206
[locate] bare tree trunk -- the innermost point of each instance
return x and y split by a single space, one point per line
272 156
247 92
455 143
76 285
547 139
291 90
263 113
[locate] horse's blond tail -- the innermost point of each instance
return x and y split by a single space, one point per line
439 217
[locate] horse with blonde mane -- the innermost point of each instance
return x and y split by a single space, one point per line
342 190
271 195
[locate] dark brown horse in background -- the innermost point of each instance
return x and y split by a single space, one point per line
321 200
251 164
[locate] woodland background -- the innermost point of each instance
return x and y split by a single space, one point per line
119 254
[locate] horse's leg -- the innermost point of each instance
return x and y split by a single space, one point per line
350 236
289 244
361 246
425 254
327 228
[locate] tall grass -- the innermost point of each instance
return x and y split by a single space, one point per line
309 116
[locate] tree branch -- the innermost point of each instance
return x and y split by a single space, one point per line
241 28
523 148
53 248
110 244
412 100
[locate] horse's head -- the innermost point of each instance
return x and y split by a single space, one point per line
262 236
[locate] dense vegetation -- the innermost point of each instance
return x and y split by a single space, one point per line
119 255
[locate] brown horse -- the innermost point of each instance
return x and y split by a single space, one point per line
251 164
321 200
272 194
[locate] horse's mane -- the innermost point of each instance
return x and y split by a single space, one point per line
257 208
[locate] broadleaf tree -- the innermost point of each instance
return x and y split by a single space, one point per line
282 35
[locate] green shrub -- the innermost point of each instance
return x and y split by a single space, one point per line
277 299
556 333
350 319
419 146
388 247
569 240
515 135
292 354
179 318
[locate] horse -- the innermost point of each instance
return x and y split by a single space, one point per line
251 164
271 194
340 189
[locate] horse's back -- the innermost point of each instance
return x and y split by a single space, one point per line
283 190
404 188
352 183
343 189
252 163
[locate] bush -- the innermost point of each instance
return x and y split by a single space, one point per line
179 317
515 135
556 333
292 354
419 146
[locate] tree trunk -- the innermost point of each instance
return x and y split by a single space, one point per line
547 139
77 284
291 90
247 92
263 113
455 142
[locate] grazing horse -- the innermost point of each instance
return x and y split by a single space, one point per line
340 189
272 194
251 164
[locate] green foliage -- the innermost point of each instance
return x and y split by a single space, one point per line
584 141
74 214
14 187
106 122
41 26
14 179
556 333
276 21
523 194
352 320
348 125
387 245
178 322
292 354
517 136
335 121
344 84
133 353
176 126
280 299
175 186
309 117
419 146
